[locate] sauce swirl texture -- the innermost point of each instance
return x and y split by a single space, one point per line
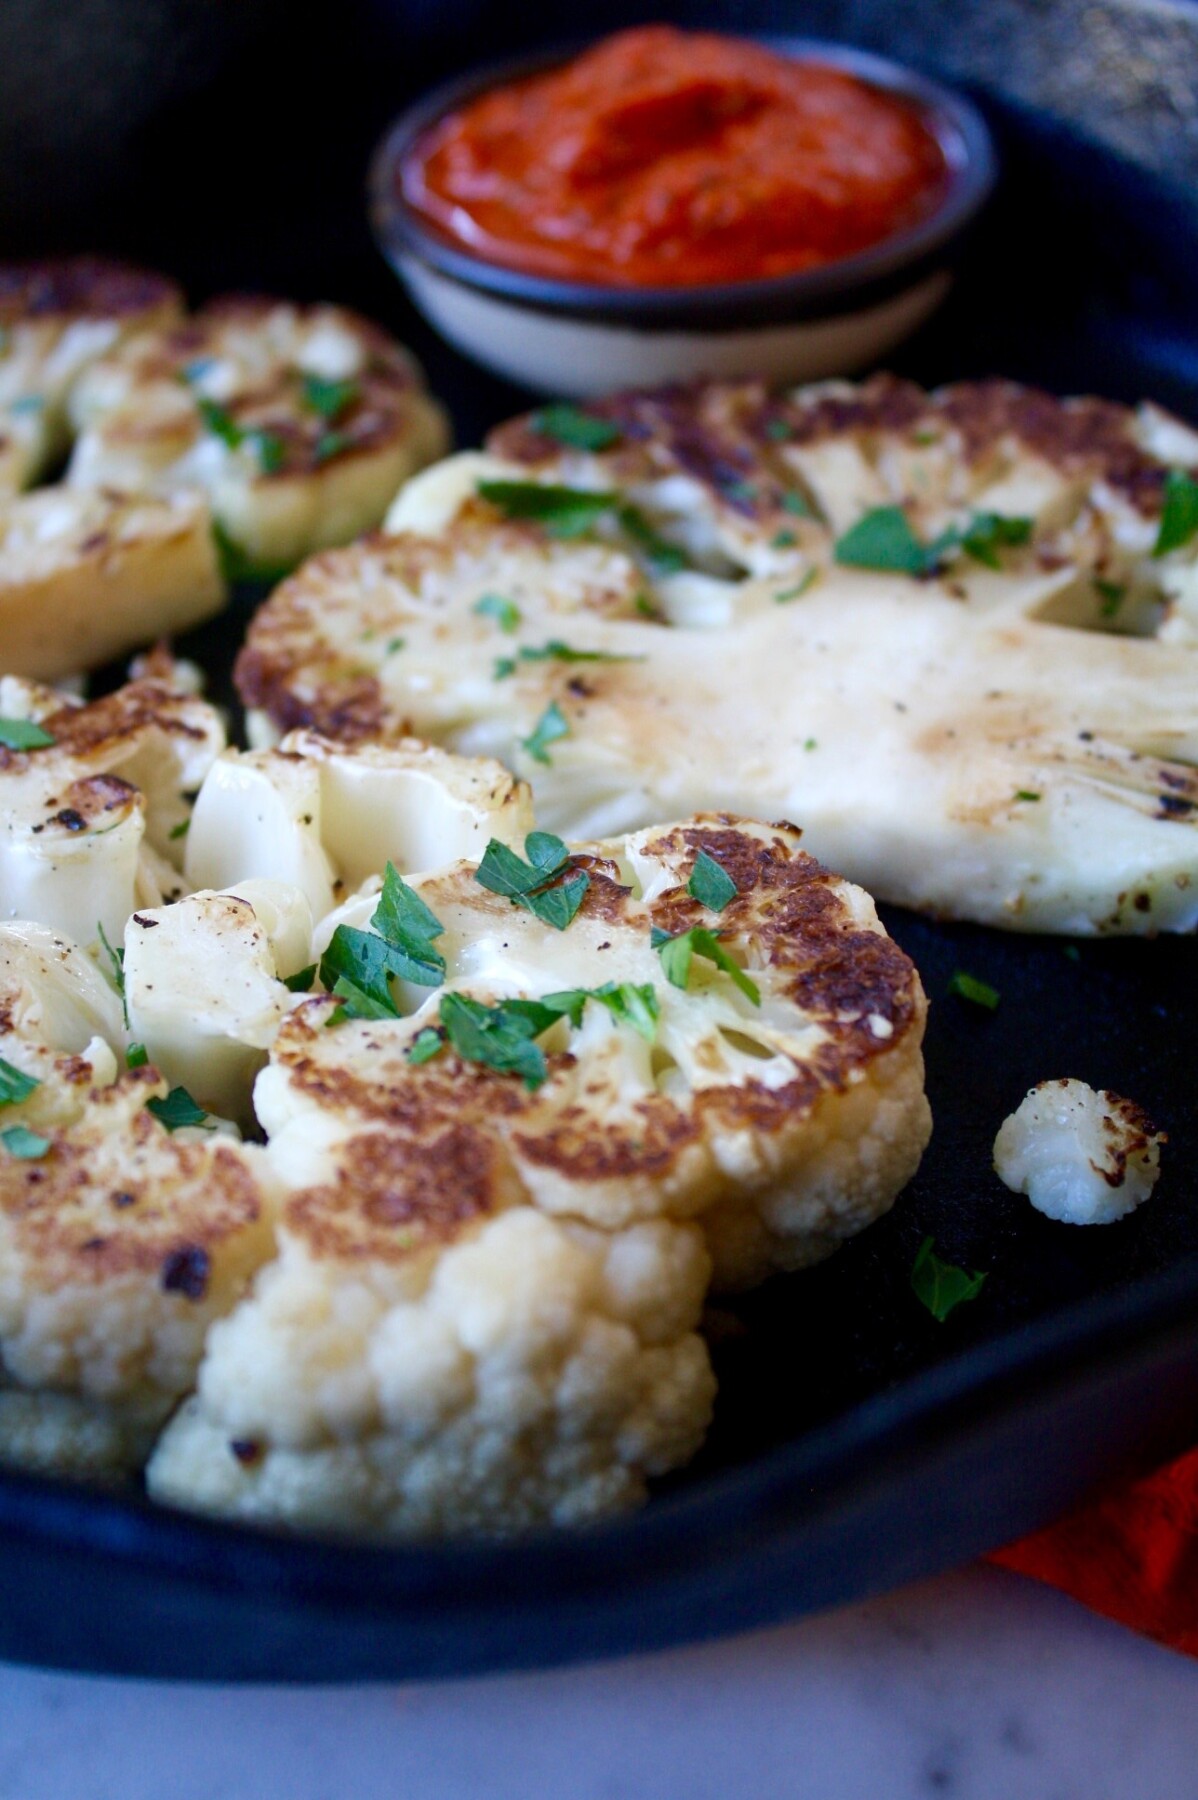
663 158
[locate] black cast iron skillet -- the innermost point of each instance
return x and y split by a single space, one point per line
858 1442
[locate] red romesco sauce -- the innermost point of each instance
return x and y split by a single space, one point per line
665 158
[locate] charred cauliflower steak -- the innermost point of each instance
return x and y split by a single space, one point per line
501 1209
56 318
120 1240
323 816
86 575
952 634
297 422
93 801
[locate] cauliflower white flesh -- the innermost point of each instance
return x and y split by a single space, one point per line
204 986
56 317
324 816
90 823
120 1242
87 575
1082 1157
784 1127
430 1355
297 422
60 1024
1014 744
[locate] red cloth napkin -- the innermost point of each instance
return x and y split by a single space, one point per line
1132 1555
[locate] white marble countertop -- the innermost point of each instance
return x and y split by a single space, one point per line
979 1685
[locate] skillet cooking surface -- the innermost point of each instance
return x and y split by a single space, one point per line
857 1442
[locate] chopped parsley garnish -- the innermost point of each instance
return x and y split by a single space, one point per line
301 981
424 1045
567 424
1112 595
810 743
178 1110
678 952
359 966
116 962
968 987
499 1036
939 1285
569 512
555 651
778 430
332 443
394 645
329 398
536 884
799 589
503 667
884 539
564 511
237 566
782 540
136 1056
24 734
551 726
506 613
15 1085
1026 794
270 448
745 491
20 1141
180 830
710 883
798 504
1179 515
630 1003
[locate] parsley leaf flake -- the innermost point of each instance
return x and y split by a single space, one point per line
678 952
939 1285
710 883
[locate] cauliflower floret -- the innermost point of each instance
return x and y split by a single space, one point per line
89 820
428 1354
1082 1157
297 422
783 1126
204 986
61 1024
120 1242
324 816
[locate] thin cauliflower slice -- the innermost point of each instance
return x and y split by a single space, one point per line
783 1128
86 575
56 317
90 823
1012 743
323 816
119 1245
431 1355
297 422
1082 1157
205 986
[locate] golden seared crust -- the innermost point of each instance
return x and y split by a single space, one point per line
97 728
118 1196
398 1197
840 1000
732 437
85 287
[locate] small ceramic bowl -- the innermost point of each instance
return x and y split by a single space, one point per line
583 338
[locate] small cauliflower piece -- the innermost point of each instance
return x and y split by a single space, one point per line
1082 1157
119 1245
56 317
297 422
783 1127
204 987
86 575
60 1024
429 1355
90 822
324 816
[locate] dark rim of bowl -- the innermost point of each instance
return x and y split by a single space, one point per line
844 286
